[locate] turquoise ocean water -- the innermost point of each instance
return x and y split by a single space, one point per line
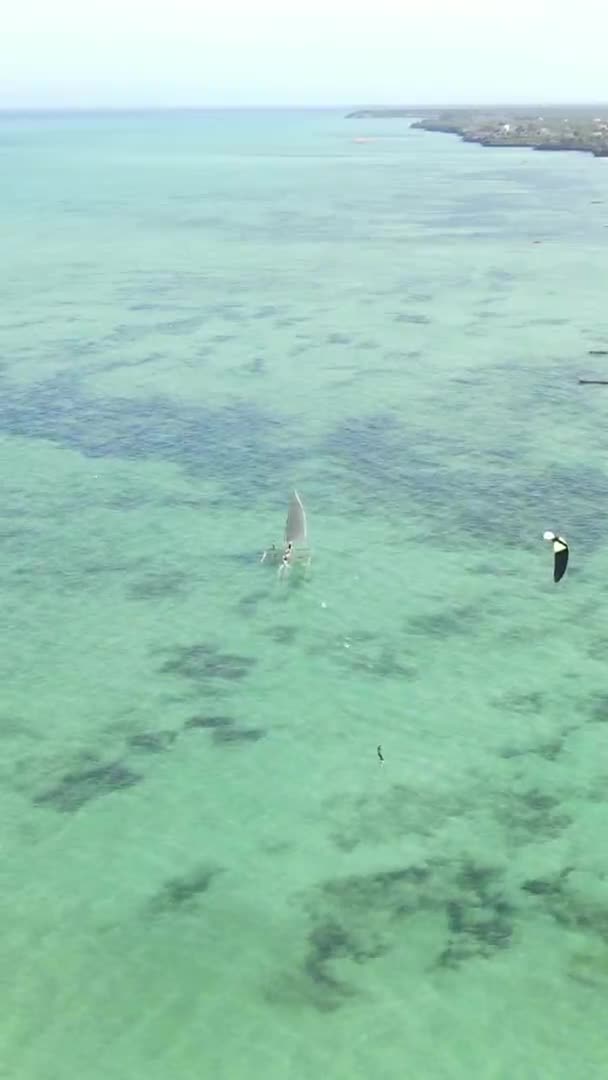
205 871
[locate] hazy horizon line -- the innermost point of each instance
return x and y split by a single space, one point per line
330 107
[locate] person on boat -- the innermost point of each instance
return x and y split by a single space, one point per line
286 559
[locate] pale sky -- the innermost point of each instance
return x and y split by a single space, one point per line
133 53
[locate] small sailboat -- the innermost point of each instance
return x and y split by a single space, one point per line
296 529
296 538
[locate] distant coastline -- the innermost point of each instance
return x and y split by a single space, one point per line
584 130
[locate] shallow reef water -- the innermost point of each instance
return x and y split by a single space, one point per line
207 870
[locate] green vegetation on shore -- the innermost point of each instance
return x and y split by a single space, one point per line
543 128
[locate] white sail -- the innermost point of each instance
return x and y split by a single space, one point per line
295 527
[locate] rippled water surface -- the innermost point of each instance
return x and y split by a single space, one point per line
205 870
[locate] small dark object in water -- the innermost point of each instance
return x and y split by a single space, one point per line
593 382
598 352
209 722
379 753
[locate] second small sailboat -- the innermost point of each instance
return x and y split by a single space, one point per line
296 538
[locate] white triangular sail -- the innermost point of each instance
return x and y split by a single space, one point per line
295 527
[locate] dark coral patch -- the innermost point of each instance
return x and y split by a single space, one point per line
283 635
209 723
157 586
530 701
248 604
598 707
416 320
201 662
79 787
234 441
152 742
184 891
531 814
237 735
